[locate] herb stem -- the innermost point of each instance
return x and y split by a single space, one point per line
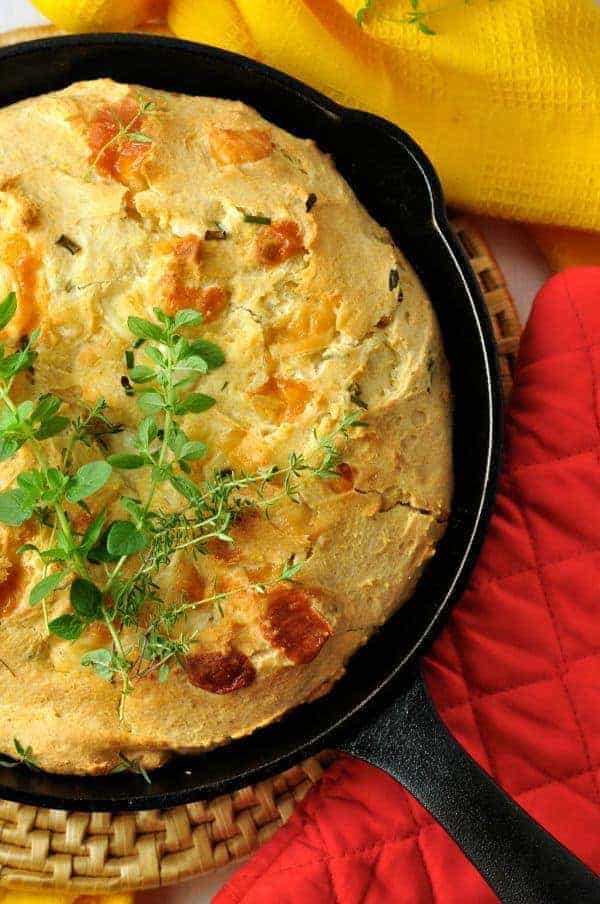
168 422
196 604
113 632
122 133
114 574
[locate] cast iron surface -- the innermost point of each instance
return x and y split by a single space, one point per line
395 181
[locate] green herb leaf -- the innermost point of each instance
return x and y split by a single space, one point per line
186 487
57 481
24 410
124 539
192 451
46 586
25 757
195 402
127 765
88 480
187 317
100 554
8 447
32 482
291 569
147 432
126 461
156 355
16 363
150 401
55 554
140 137
101 661
86 599
67 627
141 374
93 532
52 426
7 309
210 352
27 547
144 329
199 365
15 507
47 406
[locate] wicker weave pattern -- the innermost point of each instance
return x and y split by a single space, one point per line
98 852
500 305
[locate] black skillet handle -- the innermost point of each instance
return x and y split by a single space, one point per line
520 861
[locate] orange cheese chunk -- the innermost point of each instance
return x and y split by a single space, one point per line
310 329
16 251
189 248
293 625
282 399
345 482
124 157
15 577
278 242
209 301
220 673
238 145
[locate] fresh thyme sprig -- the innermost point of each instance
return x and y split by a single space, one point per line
126 130
111 568
23 757
125 764
418 15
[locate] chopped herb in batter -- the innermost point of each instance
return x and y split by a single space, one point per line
256 218
71 246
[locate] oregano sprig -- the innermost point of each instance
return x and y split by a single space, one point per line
110 569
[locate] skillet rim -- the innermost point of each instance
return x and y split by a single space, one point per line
129 798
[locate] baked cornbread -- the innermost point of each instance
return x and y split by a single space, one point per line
317 313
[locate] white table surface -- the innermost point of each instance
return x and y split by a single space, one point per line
524 269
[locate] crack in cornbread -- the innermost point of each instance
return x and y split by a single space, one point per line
316 312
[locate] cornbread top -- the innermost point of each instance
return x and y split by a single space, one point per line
316 312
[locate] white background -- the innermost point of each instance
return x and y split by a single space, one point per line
525 271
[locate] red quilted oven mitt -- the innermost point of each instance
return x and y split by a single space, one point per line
515 674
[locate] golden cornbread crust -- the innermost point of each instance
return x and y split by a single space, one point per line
308 317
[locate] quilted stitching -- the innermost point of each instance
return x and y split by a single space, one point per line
516 673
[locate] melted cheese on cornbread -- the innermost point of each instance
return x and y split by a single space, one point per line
307 314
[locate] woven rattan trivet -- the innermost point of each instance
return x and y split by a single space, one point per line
98 852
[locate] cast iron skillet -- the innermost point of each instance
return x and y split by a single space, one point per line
396 182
